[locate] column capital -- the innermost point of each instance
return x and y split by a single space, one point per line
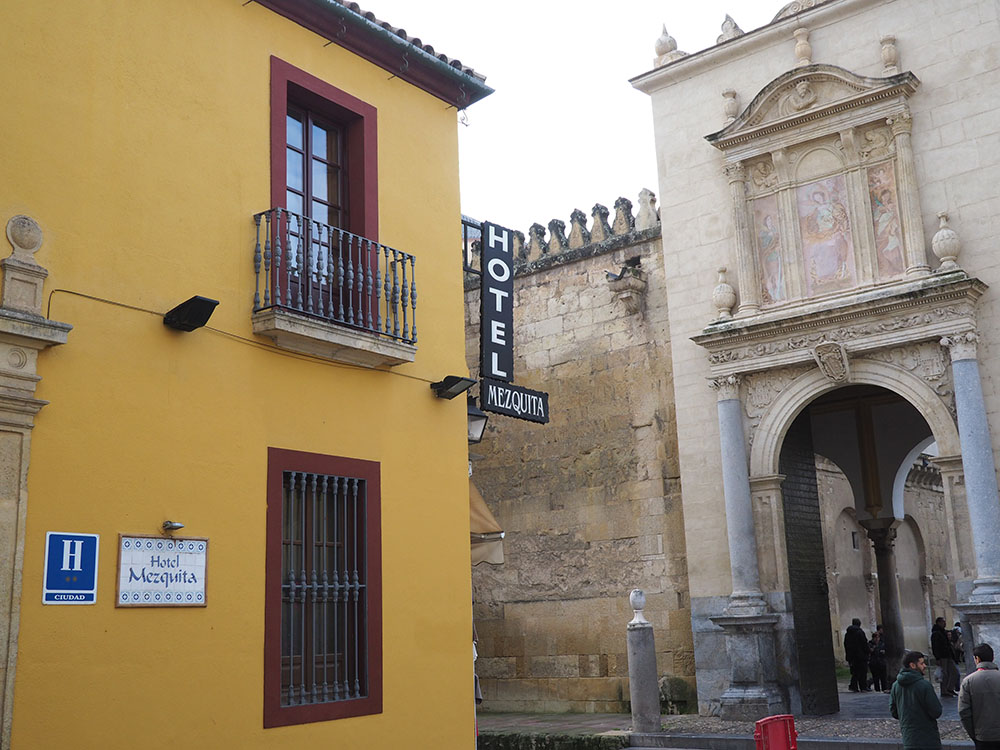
901 123
883 537
735 172
727 387
961 345
765 482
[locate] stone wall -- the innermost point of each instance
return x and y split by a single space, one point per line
591 501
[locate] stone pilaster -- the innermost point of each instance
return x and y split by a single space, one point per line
913 227
749 279
23 333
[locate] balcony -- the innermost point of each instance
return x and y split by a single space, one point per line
326 292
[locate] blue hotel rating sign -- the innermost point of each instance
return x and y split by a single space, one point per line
157 571
70 568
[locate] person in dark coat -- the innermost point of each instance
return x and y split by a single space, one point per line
944 656
913 702
856 653
877 663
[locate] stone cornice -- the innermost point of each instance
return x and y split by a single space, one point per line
31 330
903 313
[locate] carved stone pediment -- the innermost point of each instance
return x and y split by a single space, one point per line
891 317
811 93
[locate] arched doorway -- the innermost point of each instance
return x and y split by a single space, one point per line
870 430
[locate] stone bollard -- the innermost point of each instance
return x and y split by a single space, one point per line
643 685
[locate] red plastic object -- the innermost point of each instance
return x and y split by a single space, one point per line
776 733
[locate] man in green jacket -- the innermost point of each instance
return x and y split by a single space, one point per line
912 700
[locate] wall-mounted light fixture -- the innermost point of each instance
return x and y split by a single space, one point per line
172 525
451 386
477 421
194 313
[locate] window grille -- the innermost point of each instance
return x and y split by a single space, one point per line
324 592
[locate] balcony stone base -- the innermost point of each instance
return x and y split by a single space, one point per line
320 338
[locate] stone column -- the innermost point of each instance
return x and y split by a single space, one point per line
643 682
882 532
746 597
24 332
913 227
870 581
753 690
981 494
745 256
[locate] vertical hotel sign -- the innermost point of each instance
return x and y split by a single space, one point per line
497 391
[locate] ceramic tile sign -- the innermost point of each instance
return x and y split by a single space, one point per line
158 571
70 568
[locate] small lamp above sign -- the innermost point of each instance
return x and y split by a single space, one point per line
451 386
191 314
477 421
169 526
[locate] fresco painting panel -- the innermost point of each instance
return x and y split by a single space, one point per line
825 226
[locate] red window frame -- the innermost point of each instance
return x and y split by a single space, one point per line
359 122
279 461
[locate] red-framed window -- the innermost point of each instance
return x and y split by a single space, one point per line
323 605
297 94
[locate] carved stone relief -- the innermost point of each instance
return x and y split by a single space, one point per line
876 143
840 334
761 390
832 361
928 361
763 177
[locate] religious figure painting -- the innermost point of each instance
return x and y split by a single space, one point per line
825 226
768 243
885 221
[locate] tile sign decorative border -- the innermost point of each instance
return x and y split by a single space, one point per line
157 571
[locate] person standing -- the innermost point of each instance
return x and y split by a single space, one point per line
957 643
877 663
856 653
979 700
944 655
913 702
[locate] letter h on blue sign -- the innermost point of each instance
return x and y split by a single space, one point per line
70 568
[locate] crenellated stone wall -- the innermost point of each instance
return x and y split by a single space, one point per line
590 502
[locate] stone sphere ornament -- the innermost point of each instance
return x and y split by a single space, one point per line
25 235
946 244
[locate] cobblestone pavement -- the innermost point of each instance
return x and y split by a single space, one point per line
863 715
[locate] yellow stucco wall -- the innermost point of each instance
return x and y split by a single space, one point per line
138 138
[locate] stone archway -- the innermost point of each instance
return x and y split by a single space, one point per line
786 420
781 412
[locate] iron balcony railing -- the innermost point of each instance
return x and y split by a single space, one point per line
326 272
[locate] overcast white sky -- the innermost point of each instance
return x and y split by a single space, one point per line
564 129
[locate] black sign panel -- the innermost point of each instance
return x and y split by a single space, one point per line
497 304
514 401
